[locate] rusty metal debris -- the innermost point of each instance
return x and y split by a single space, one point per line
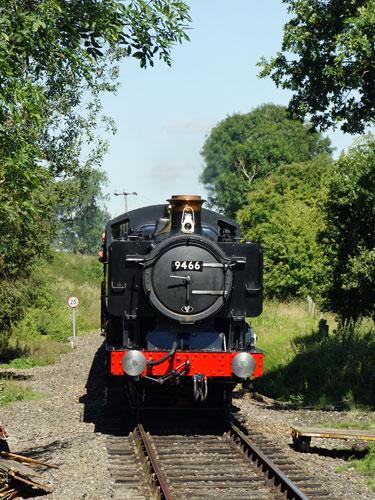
17 476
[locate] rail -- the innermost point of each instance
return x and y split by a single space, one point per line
274 473
159 474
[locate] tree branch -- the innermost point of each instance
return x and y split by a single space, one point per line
241 167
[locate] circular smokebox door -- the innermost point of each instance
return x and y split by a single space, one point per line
187 281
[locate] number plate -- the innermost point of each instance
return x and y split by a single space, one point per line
187 265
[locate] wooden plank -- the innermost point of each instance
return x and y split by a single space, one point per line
32 483
9 466
365 435
17 472
20 458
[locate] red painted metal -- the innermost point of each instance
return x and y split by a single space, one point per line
211 364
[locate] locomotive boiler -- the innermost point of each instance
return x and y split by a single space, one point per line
179 286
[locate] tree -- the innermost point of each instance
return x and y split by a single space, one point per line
56 58
348 238
53 55
327 61
81 221
283 215
242 149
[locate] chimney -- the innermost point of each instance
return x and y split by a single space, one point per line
185 214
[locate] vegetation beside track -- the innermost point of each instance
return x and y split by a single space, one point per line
305 366
41 336
15 391
300 365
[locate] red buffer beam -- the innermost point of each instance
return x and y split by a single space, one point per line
210 364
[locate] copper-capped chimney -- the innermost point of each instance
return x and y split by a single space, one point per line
185 214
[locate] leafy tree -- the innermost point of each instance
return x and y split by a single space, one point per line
56 58
348 239
81 221
327 61
283 215
242 149
55 53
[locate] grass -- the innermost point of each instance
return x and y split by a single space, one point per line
304 366
365 465
278 327
38 352
351 424
41 336
14 391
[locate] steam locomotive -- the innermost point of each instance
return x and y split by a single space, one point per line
178 287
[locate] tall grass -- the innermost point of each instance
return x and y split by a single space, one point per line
40 337
365 465
302 365
277 327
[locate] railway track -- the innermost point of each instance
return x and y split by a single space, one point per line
199 461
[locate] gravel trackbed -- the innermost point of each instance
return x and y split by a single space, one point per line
60 428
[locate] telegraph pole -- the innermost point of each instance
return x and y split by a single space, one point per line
125 195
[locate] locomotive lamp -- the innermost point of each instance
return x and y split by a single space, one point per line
133 363
243 365
186 214
187 222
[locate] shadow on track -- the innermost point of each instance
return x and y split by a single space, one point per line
346 454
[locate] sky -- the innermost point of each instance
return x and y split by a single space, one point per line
164 114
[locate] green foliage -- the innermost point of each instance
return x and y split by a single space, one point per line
56 58
348 239
243 149
277 327
16 294
14 391
363 426
67 275
32 350
326 60
47 319
81 220
366 465
303 366
283 214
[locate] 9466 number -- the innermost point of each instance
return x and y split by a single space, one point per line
187 265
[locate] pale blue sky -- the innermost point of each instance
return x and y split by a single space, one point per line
164 114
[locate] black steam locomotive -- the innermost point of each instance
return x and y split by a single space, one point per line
179 285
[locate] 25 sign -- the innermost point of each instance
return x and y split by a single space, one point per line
73 302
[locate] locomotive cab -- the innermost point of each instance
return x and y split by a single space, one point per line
179 286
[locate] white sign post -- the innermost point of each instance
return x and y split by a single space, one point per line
73 302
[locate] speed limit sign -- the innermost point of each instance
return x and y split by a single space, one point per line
73 302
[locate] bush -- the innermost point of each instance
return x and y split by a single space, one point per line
337 369
13 391
47 321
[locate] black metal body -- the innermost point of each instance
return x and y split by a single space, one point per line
163 285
